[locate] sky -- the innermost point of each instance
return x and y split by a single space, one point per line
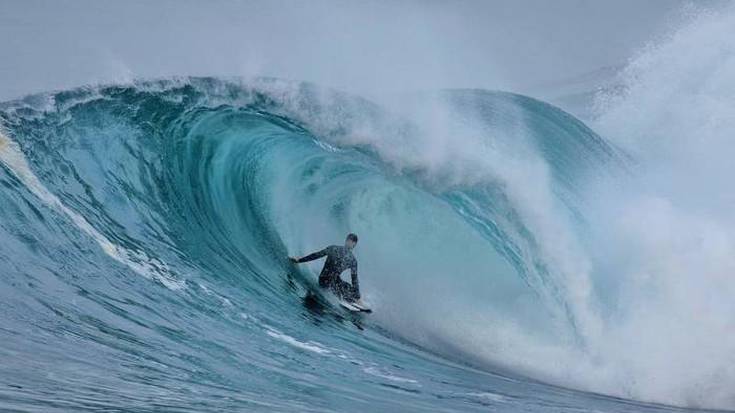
362 47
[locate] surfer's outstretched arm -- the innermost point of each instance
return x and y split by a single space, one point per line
311 257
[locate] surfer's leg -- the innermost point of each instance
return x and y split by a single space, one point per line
352 293
344 290
336 287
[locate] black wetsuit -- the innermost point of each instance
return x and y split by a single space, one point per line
339 258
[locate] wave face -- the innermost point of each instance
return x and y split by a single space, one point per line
145 229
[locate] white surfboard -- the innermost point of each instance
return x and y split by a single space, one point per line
354 307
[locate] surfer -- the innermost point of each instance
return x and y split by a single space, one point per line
339 258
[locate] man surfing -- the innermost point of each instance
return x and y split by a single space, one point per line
338 259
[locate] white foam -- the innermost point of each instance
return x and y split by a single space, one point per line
379 373
318 348
327 147
488 396
225 301
668 237
312 346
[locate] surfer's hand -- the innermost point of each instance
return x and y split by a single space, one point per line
293 259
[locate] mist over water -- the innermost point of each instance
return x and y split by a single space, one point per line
368 48
516 258
672 236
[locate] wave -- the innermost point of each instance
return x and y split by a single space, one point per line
148 225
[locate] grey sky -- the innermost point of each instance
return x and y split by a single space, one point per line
359 46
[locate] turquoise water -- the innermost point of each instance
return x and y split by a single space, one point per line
145 227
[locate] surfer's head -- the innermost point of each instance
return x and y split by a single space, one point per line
351 240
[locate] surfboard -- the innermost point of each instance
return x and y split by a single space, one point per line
355 308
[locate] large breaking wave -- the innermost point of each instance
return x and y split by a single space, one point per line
145 228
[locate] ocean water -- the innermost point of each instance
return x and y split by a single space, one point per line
515 257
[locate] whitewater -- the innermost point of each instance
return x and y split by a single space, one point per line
516 257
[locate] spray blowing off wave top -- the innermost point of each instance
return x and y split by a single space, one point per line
473 210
